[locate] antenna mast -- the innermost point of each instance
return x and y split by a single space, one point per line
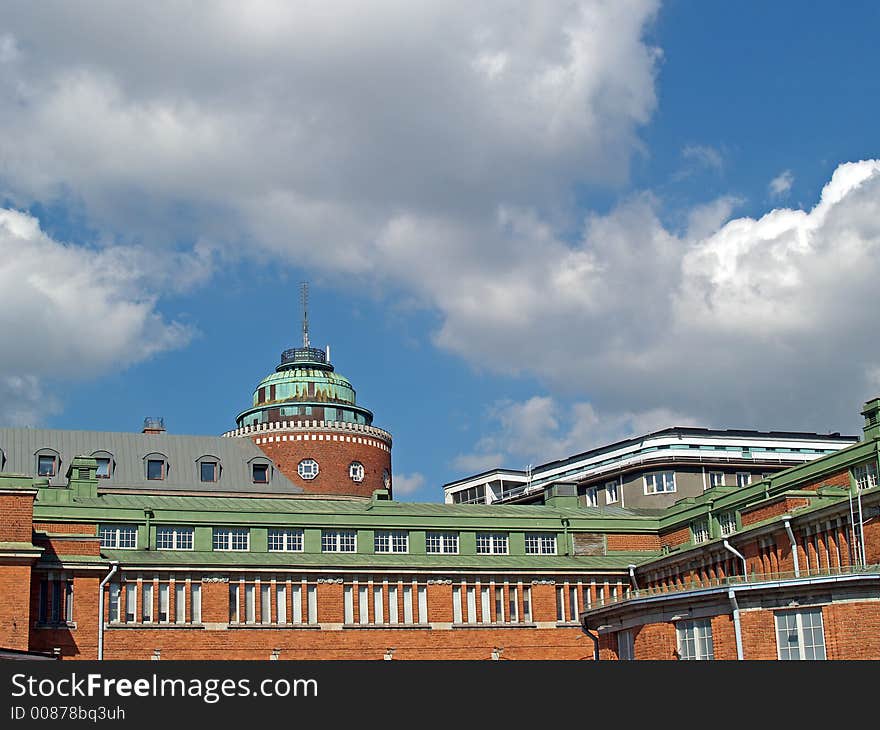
304 297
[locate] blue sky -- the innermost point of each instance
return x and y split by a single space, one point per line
528 228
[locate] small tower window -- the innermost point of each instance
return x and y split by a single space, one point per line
308 468
356 471
260 473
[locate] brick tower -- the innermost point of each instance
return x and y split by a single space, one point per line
306 419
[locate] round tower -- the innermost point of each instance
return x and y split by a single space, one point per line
305 418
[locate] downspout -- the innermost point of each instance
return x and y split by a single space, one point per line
737 628
632 577
741 557
569 549
107 577
594 637
786 520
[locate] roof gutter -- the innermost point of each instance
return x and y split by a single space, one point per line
593 637
107 577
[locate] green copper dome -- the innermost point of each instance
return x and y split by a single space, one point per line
304 387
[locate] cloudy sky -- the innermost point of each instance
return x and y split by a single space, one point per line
529 227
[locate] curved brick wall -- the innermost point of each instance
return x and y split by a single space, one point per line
334 451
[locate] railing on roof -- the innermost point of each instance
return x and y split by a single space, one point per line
303 354
687 586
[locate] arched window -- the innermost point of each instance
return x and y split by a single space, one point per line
156 467
208 468
106 464
48 462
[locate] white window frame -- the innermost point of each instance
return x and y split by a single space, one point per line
182 538
310 467
694 639
540 543
712 475
391 541
700 530
291 541
865 475
111 536
230 539
743 476
591 497
441 543
727 523
356 472
612 492
492 543
333 541
801 630
625 645
651 482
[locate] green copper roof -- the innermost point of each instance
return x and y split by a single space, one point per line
303 384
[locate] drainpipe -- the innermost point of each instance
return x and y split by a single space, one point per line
594 637
632 577
786 520
741 557
107 577
569 549
148 514
737 628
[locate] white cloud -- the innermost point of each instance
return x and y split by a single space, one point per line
780 185
69 311
541 429
703 156
24 401
408 484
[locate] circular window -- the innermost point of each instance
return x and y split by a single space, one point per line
356 471
386 478
308 468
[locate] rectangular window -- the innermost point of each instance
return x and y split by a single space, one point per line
378 605
312 600
471 604
527 604
743 479
512 604
407 604
491 543
611 493
103 471
46 465
196 591
485 605
499 604
471 495
456 604
348 604
700 530
265 603
338 541
164 602
445 543
118 536
231 538
625 650
540 543
260 473
363 605
113 613
250 603
281 604
716 479
865 475
560 604
147 603
423 604
296 614
800 634
131 591
234 598
208 471
572 603
391 541
660 482
727 523
392 604
591 497
179 603
286 540
155 469
695 639
174 538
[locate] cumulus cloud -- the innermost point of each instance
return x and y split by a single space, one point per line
780 185
408 484
69 311
542 428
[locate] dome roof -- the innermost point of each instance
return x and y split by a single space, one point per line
307 384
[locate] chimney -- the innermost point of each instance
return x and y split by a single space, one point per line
871 412
154 425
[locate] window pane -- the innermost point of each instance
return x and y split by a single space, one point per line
209 471
46 466
155 469
261 473
103 467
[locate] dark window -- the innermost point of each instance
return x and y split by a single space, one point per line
261 473
155 469
271 392
46 466
103 467
208 471
261 395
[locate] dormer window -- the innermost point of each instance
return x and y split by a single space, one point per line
47 465
260 473
208 471
156 467
104 461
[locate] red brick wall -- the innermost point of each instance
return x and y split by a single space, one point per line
676 537
14 606
840 479
633 542
78 643
852 630
17 512
70 547
777 507
334 458
73 528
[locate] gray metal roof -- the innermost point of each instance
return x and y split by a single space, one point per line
19 448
